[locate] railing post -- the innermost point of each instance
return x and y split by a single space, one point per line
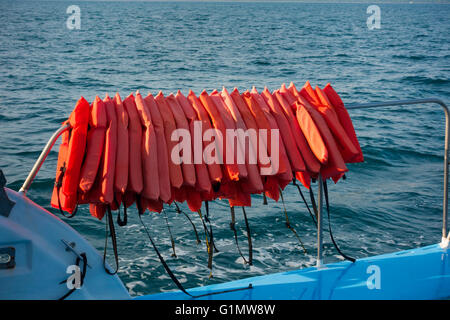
319 223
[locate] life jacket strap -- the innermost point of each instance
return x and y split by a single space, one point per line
109 226
325 190
177 208
233 228
304 201
288 223
170 233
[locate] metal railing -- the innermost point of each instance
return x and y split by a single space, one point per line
391 104
65 127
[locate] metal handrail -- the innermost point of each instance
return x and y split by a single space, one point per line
65 127
37 165
446 163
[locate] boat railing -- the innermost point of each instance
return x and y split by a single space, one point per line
445 236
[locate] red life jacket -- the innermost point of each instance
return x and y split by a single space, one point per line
254 182
335 168
122 158
214 169
188 168
251 124
232 169
95 145
284 178
135 182
293 153
203 183
149 151
229 124
312 164
346 122
175 173
161 145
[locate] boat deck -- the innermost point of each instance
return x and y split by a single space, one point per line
422 273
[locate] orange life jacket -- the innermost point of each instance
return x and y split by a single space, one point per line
346 122
232 169
135 182
312 134
175 173
181 123
312 164
70 158
229 124
95 144
251 124
254 182
122 158
345 145
287 94
149 151
203 183
293 153
284 178
161 145
214 169
335 168
109 153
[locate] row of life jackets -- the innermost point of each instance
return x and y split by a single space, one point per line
118 152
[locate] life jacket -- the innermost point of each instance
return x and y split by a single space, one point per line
296 160
311 162
175 173
203 183
312 134
150 204
251 124
97 210
181 123
148 150
161 147
271 185
287 94
229 124
70 158
241 199
344 119
194 199
95 145
263 124
232 169
335 167
109 153
214 169
284 178
58 197
309 94
254 183
327 110
135 182
122 157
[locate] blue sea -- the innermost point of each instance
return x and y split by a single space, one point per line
391 202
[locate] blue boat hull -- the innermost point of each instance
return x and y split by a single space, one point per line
422 273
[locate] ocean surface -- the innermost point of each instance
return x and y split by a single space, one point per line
391 202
